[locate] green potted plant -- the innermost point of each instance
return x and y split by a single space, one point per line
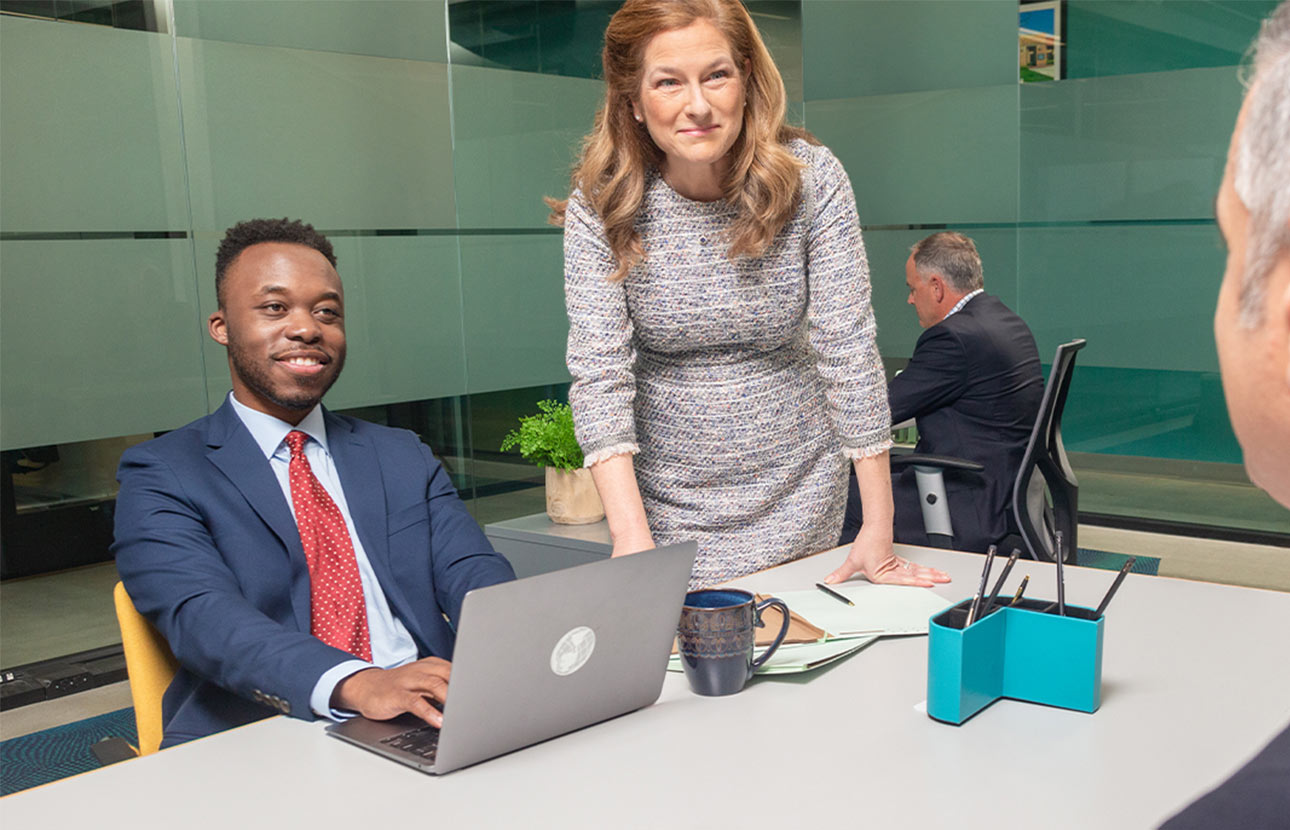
547 439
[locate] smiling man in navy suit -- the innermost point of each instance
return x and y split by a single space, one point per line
296 561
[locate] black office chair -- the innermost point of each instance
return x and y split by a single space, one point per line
1041 504
1045 496
928 474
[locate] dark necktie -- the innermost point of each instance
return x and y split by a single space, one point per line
338 613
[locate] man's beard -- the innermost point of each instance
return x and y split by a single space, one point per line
254 374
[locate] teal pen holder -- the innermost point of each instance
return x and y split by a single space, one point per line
1023 651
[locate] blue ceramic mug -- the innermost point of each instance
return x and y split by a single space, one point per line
716 635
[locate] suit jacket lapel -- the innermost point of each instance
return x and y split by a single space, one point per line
238 457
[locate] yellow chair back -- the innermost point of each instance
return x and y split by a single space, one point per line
150 665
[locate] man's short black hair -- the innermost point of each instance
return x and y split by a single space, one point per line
254 231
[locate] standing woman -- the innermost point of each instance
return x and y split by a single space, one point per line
721 338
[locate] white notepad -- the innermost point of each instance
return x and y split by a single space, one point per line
880 610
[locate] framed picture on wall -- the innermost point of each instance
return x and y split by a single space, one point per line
1039 41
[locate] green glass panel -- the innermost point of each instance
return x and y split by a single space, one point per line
1170 490
559 37
502 34
855 48
412 29
1130 147
513 298
1145 412
89 138
898 328
516 138
342 141
887 251
402 320
100 338
553 38
1122 37
1142 295
926 157
998 250
780 24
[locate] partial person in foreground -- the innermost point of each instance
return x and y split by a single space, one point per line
974 384
721 338
1252 330
296 561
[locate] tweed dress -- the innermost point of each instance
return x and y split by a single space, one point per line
742 386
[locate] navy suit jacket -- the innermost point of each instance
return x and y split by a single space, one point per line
208 548
974 384
1256 797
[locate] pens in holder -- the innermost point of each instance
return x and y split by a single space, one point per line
1061 578
980 589
1021 589
1003 577
1115 586
833 593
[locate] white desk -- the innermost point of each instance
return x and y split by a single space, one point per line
1195 679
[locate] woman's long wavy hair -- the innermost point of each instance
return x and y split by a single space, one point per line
764 178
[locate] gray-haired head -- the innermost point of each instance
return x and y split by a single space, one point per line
1262 160
953 256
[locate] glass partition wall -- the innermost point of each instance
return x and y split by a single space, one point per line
421 136
1090 195
128 146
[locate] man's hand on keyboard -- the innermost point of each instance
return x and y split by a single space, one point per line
381 694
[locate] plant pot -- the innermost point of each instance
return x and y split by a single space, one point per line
571 497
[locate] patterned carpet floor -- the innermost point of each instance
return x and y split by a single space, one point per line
51 754
1090 558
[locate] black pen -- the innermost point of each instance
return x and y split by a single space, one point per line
1021 589
826 589
1115 586
1061 579
980 589
1003 577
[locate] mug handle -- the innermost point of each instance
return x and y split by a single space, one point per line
783 629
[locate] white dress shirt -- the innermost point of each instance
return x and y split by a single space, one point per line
392 645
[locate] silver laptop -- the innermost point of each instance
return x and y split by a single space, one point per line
542 656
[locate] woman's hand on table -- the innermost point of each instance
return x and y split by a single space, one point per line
872 557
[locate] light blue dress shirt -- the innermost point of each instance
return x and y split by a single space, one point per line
964 300
392 645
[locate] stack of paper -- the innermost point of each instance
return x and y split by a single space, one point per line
800 657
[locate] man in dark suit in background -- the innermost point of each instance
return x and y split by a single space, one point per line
974 384
296 561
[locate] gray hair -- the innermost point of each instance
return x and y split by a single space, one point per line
953 256
1262 163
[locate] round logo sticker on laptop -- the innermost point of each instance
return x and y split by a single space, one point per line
573 650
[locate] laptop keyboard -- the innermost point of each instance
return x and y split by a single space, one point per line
422 742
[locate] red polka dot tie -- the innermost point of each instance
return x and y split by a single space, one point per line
338 613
